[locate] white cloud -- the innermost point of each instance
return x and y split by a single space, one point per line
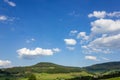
91 58
105 43
10 3
3 18
28 54
5 63
70 41
56 50
97 14
105 26
103 14
71 48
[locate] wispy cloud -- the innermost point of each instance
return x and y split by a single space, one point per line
30 40
6 19
106 59
10 3
73 32
74 13
71 48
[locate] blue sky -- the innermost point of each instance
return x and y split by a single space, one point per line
66 32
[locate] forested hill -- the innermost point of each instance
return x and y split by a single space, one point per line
44 67
109 66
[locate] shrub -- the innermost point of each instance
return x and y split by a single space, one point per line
32 77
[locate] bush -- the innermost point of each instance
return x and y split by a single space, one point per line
32 77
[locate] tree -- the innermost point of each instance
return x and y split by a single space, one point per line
32 77
7 79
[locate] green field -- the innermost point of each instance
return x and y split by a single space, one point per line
46 76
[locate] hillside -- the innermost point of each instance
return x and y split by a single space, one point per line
109 66
44 67
47 67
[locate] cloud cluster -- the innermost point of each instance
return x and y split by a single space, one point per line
104 35
30 54
12 4
5 63
103 14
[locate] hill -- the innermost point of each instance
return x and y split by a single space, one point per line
109 66
43 67
47 67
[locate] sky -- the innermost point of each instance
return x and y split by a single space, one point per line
67 32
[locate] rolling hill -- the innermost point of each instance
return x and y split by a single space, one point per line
43 67
103 67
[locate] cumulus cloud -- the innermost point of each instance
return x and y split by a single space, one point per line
5 63
29 54
10 3
70 41
102 26
103 14
91 58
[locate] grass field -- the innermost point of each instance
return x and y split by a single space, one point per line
46 76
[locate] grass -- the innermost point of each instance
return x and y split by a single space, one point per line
45 76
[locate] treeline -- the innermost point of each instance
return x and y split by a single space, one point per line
107 76
110 75
84 78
